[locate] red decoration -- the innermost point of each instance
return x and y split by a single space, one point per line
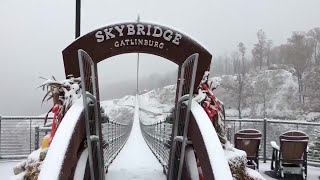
56 120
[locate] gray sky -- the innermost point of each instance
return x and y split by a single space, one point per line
33 34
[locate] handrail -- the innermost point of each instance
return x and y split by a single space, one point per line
61 157
275 121
24 117
157 136
219 164
271 130
62 166
18 135
115 139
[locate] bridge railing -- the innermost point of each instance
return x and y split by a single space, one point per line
272 129
203 138
158 135
115 135
18 135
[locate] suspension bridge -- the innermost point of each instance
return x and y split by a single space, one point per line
93 150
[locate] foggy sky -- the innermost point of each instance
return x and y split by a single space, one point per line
34 33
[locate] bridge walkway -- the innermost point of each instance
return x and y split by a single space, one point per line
135 160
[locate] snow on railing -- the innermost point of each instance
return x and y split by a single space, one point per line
115 135
55 158
19 135
271 130
219 164
157 137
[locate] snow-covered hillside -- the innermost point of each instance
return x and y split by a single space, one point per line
279 87
154 106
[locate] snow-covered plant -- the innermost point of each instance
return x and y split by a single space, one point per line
29 168
213 107
64 93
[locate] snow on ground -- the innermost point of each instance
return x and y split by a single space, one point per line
6 169
135 160
265 171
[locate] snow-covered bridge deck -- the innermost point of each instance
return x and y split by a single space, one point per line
135 160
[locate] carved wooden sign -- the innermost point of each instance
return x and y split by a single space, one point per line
138 30
135 37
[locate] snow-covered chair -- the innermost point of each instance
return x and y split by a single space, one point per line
291 156
249 140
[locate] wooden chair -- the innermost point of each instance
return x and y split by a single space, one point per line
291 155
249 140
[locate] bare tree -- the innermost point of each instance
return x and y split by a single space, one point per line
312 84
217 66
236 62
240 76
268 51
315 35
262 87
242 50
226 58
299 53
259 49
254 57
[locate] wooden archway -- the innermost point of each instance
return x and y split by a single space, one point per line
136 37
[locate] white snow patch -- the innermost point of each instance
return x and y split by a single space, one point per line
274 145
81 165
19 176
135 160
6 170
52 164
234 153
254 174
217 159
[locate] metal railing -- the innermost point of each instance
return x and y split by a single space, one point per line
271 130
18 135
157 137
93 131
180 125
115 135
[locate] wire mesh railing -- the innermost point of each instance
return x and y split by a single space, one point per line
18 135
158 137
181 122
115 135
272 129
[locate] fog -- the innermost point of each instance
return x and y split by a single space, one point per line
154 72
34 33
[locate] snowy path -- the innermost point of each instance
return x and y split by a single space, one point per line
135 160
6 169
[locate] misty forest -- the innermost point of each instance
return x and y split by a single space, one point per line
274 81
